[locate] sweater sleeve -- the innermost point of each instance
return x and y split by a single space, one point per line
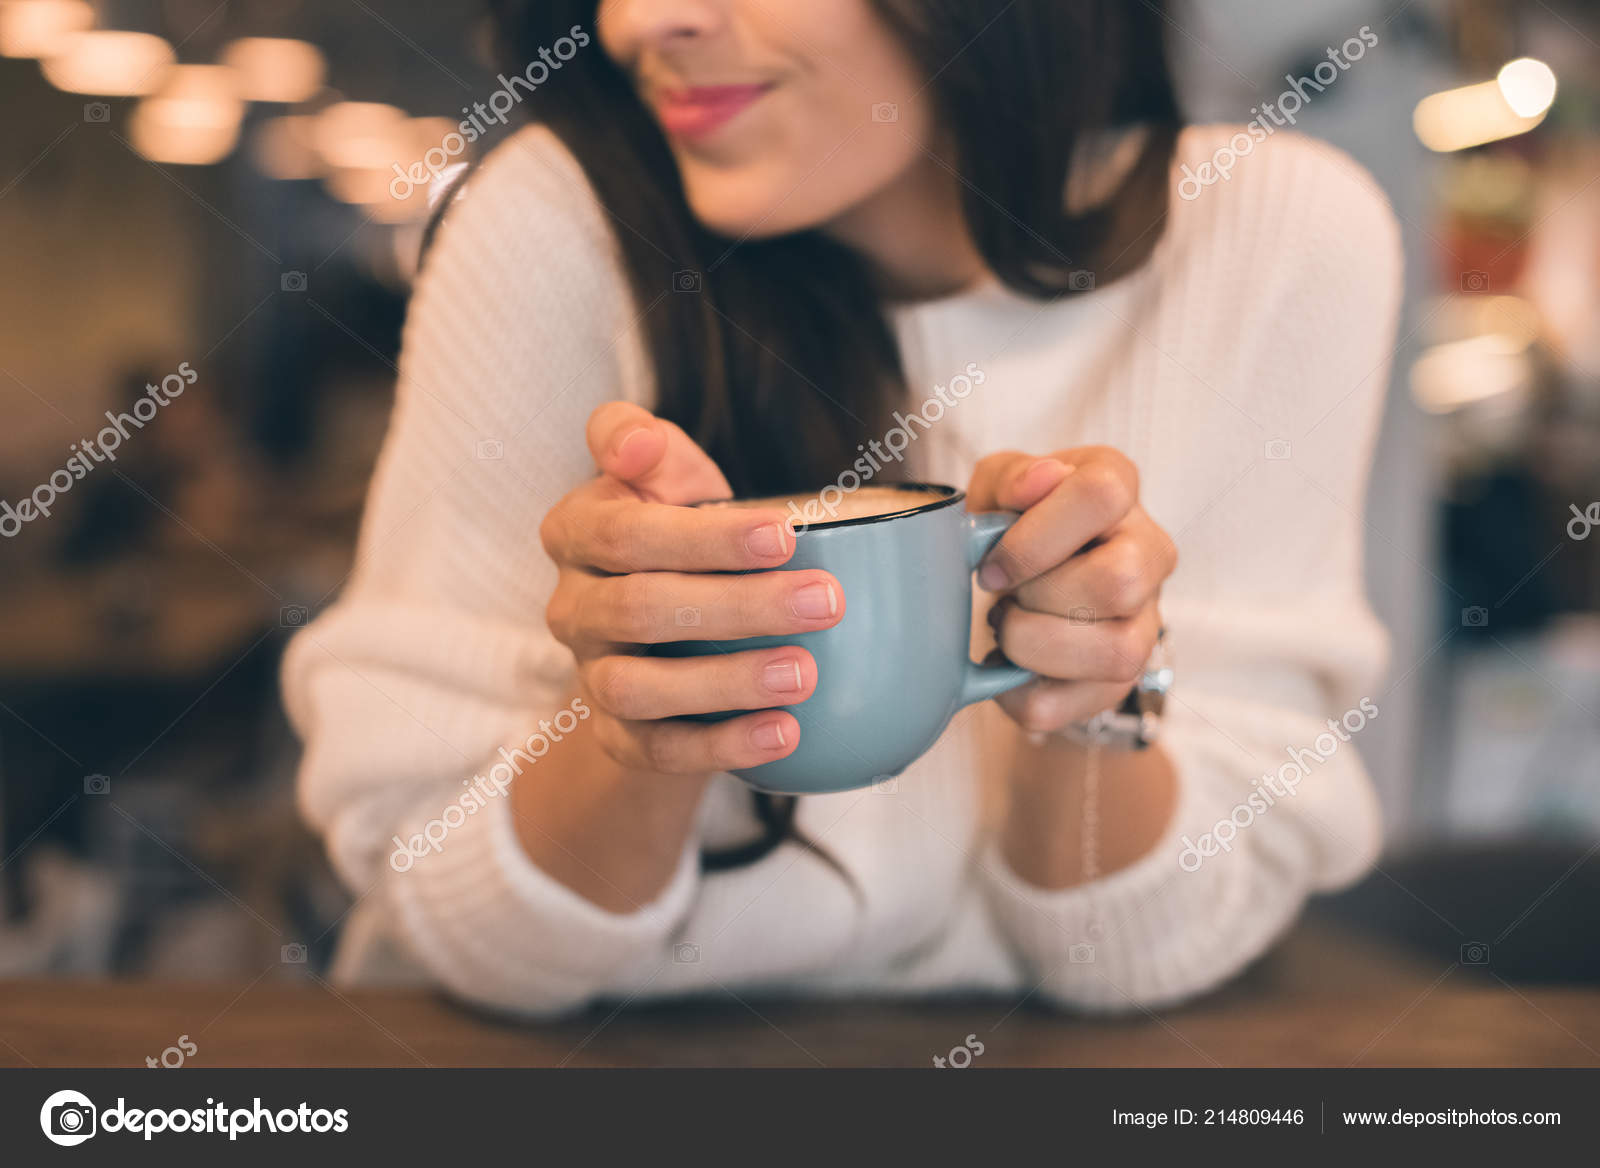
433 679
1275 648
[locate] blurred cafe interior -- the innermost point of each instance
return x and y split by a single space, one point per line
210 183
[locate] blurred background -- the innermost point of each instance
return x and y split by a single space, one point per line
201 195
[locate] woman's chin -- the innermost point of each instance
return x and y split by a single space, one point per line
748 209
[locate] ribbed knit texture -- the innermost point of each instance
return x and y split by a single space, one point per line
1261 327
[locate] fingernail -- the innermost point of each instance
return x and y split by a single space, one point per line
768 736
815 602
993 578
766 541
782 677
1050 478
622 443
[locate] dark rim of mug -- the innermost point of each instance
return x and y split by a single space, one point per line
952 495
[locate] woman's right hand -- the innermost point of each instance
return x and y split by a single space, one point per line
639 568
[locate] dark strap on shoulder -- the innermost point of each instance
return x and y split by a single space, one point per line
446 202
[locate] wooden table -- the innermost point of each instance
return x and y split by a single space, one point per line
1322 1000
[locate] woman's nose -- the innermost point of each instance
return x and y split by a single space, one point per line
656 22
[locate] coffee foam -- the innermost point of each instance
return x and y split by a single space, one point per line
864 503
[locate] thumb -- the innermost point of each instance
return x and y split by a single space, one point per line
653 456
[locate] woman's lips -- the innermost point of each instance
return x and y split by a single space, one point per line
702 109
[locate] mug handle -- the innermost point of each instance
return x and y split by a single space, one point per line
983 682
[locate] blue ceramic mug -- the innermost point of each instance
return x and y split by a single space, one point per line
896 669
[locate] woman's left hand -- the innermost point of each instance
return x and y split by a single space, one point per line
1080 575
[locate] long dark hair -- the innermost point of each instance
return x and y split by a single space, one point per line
781 360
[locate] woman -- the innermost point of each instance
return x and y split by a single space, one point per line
739 238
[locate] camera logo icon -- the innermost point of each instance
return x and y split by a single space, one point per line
67 1118
686 954
293 616
885 111
293 282
489 450
293 954
97 784
687 280
1278 449
1474 953
1080 616
1475 617
97 112
1080 281
1081 954
1474 281
688 617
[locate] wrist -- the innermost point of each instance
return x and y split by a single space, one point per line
1043 835
611 833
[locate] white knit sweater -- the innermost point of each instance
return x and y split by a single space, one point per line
1260 328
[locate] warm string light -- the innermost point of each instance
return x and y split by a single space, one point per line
1529 86
36 28
192 114
355 135
276 69
109 63
194 119
360 143
1513 103
1491 361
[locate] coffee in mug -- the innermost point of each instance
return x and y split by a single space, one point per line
870 502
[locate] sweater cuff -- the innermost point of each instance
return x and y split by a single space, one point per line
495 929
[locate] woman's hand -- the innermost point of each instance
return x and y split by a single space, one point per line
1081 574
636 569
